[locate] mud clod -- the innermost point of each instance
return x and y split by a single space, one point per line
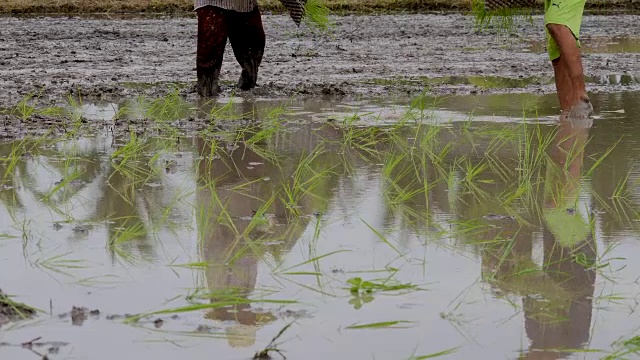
80 314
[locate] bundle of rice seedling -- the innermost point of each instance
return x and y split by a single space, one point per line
314 12
503 14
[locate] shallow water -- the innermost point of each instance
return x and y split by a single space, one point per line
601 44
503 82
494 254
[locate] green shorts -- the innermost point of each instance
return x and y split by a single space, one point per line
563 12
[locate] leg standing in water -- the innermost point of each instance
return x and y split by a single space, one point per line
562 20
239 21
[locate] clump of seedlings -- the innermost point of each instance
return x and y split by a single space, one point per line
272 347
11 310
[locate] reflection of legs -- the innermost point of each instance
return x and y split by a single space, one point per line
557 322
247 37
212 39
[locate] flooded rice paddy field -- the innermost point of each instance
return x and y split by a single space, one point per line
328 213
462 226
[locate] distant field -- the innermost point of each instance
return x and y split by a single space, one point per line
358 6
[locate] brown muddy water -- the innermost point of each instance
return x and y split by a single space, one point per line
377 230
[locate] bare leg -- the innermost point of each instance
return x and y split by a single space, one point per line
568 68
247 37
212 39
563 84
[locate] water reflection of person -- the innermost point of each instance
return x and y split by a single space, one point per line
562 319
232 259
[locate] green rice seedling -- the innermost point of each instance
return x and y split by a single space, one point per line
471 228
127 232
97 281
160 110
272 346
158 114
75 109
132 150
257 220
434 355
433 151
421 107
625 349
504 20
279 113
317 15
11 161
382 238
359 286
427 184
23 109
297 270
399 179
199 265
453 314
255 137
28 146
287 271
204 218
531 157
261 137
170 107
20 310
208 306
227 112
498 167
177 199
363 138
396 324
59 264
52 111
601 159
363 291
70 175
127 162
304 180
621 201
470 181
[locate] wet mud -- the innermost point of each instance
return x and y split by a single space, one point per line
360 56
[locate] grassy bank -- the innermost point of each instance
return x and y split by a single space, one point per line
336 6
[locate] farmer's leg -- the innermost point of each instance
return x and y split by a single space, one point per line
563 84
563 19
212 39
247 38
569 65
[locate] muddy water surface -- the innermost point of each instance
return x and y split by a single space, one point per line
378 230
